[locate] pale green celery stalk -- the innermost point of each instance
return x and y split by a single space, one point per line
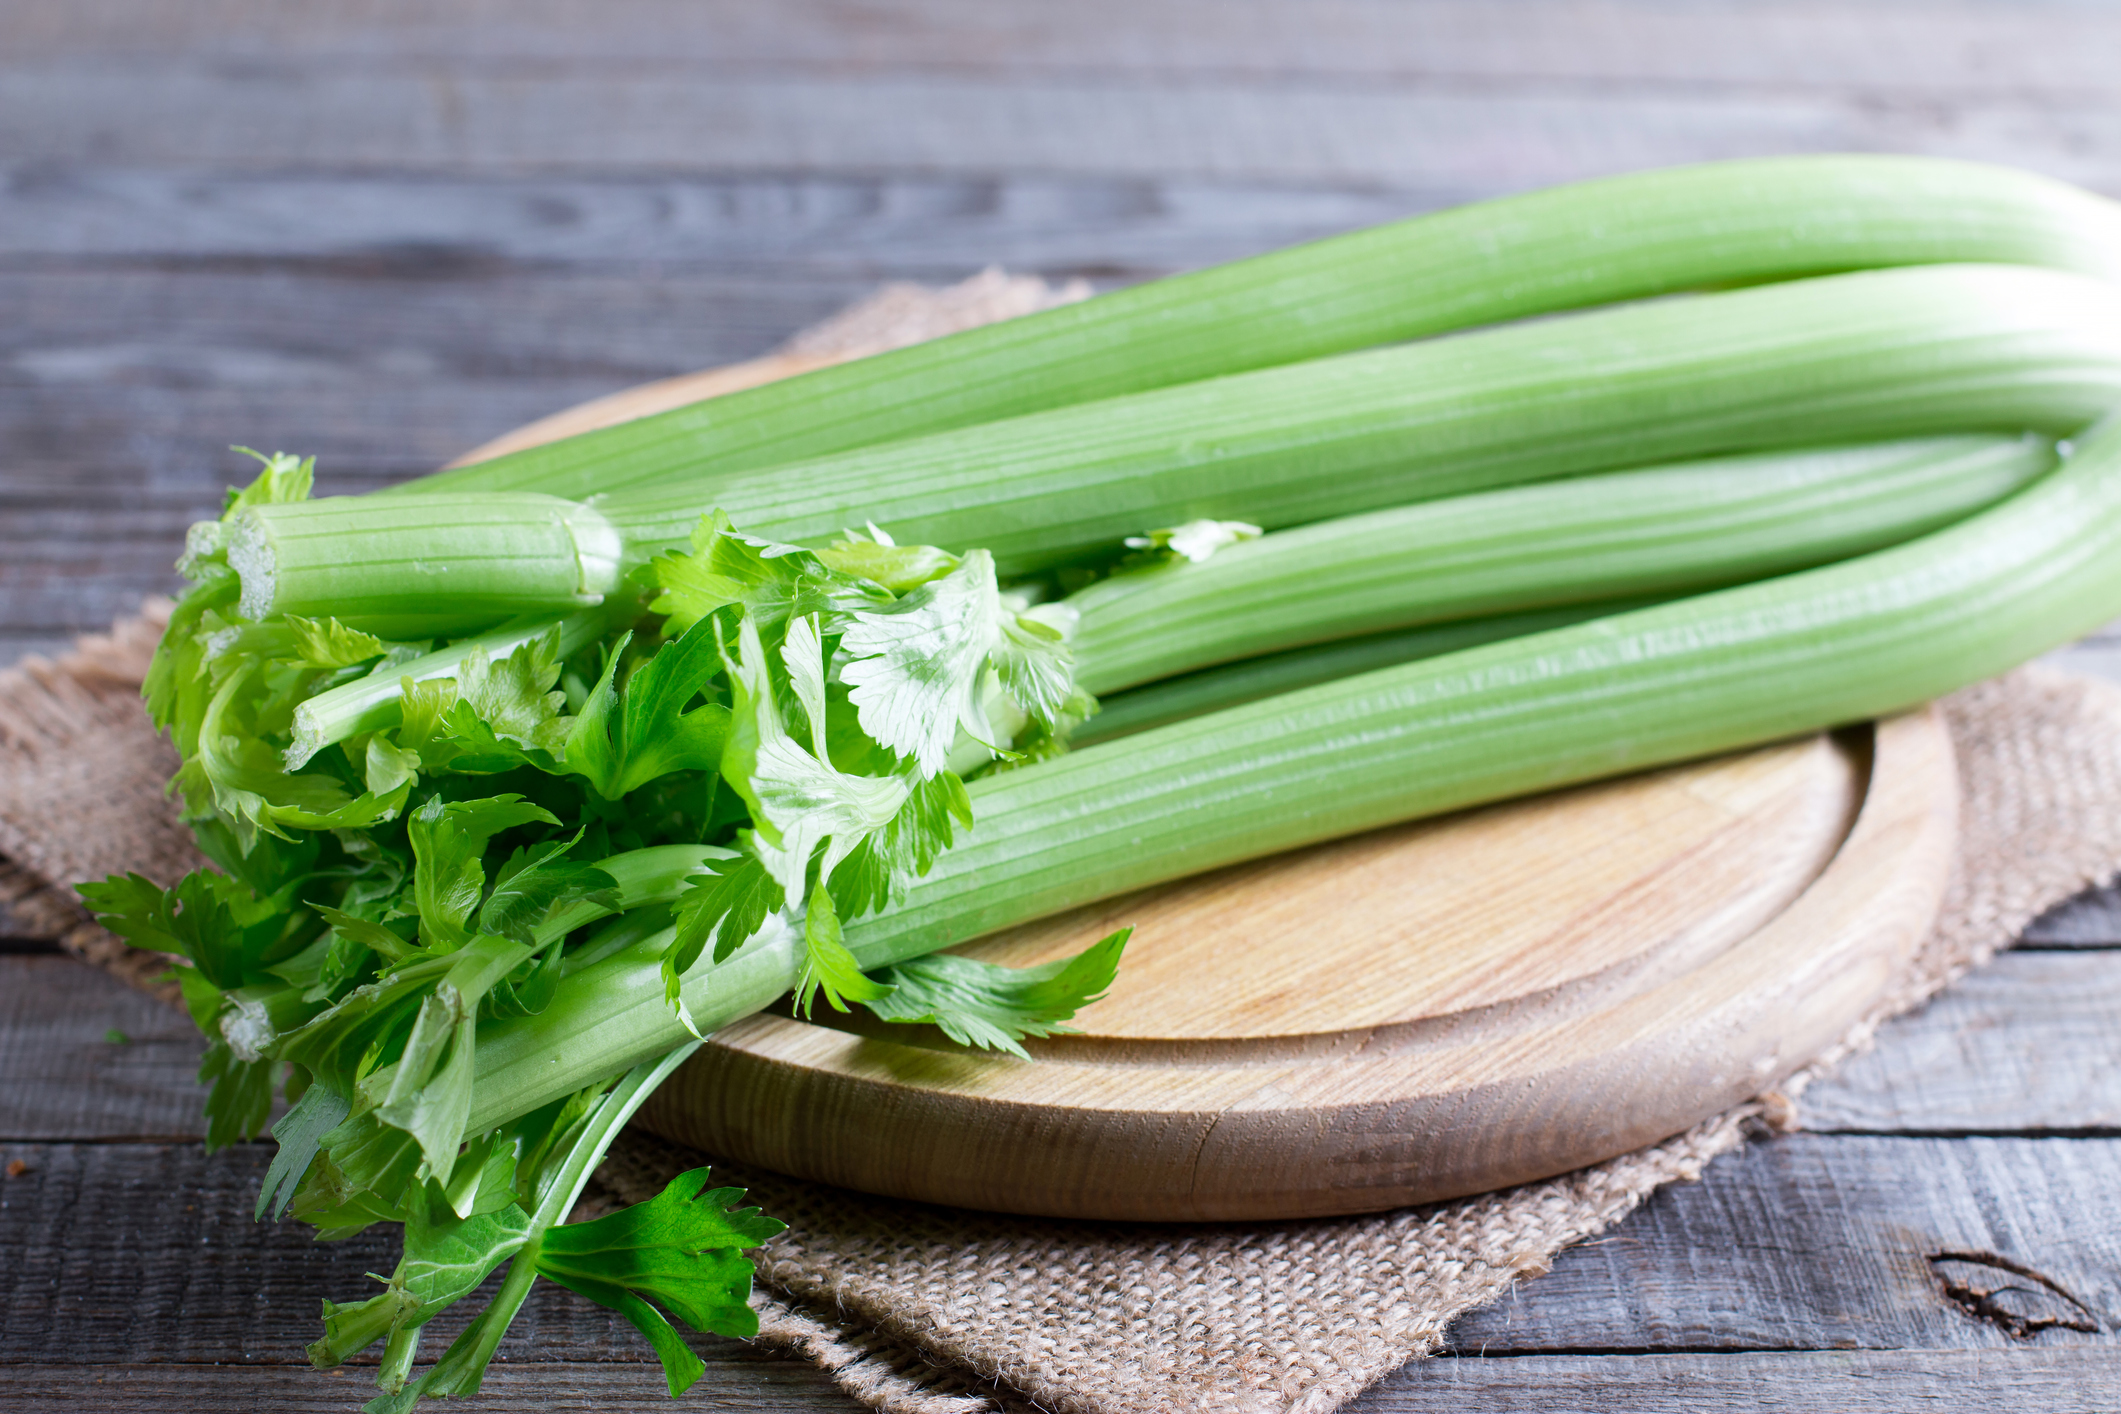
463 1364
374 702
613 1014
1659 531
1843 358
1570 247
644 878
1842 643
1248 680
547 553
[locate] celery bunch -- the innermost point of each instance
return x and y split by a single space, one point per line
524 780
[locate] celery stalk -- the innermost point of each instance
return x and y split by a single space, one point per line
1844 358
1684 679
1621 238
1653 532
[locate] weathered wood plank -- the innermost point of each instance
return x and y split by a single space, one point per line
273 334
1822 1242
1896 47
764 226
135 1252
1849 1382
120 393
638 118
734 1380
85 1057
2090 920
2031 1042
16 645
137 381
1858 1382
2095 658
116 1253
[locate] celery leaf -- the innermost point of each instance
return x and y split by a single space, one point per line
534 883
513 698
1195 541
449 844
906 848
241 1098
876 557
220 925
979 1004
798 799
914 668
770 583
729 902
625 737
299 1134
1032 658
327 643
680 1252
827 964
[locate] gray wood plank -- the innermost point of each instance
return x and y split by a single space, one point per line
15 646
2031 1042
85 1057
1889 45
2090 920
742 1381
121 1253
642 118
1824 1242
146 1253
1859 1382
120 393
1848 1382
764 226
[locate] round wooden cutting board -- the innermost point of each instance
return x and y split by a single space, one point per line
1415 1014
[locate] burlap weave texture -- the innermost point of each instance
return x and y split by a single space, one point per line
942 1312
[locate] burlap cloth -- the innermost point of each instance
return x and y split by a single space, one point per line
923 1310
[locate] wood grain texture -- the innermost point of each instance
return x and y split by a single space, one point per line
1848 1382
132 1253
757 1382
769 227
1821 1242
650 118
1264 1060
2030 1043
2090 920
1886 45
1854 1382
119 1253
85 1057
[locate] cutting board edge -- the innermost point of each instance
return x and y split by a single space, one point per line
1887 882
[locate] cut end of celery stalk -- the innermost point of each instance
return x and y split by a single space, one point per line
365 561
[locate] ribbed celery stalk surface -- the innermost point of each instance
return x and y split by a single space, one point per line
1690 678
1955 348
1571 247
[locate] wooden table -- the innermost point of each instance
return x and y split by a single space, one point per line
383 232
